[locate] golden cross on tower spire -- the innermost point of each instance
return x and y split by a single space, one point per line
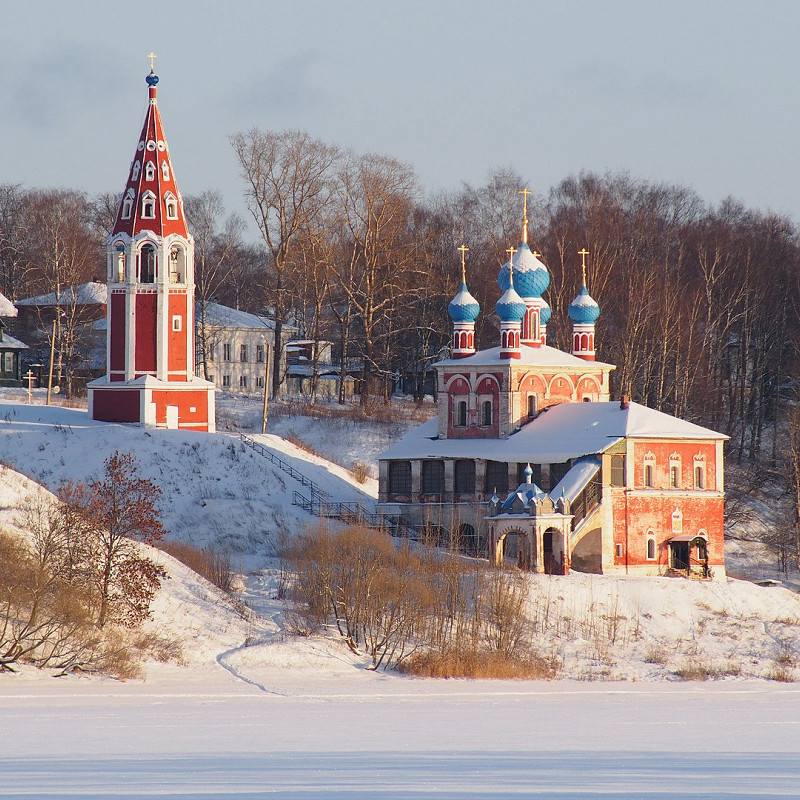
583 253
463 250
525 192
152 57
511 251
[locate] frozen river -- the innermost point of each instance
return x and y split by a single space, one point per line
290 736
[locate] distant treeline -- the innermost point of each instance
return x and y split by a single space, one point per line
699 304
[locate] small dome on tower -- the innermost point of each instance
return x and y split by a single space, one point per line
531 276
152 78
545 312
583 310
463 307
510 307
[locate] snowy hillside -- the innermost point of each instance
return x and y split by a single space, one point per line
217 491
222 493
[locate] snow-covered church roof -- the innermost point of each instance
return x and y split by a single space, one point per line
91 293
558 434
7 308
543 356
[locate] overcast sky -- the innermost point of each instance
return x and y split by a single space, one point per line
696 93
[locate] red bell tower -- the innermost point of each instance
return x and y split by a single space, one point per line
150 342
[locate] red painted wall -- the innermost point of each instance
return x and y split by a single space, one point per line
460 391
145 357
176 344
116 405
662 452
117 334
197 419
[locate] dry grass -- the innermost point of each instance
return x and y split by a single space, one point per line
212 565
696 670
479 664
292 437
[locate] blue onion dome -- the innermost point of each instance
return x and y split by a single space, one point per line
463 307
510 307
152 79
545 312
531 276
583 310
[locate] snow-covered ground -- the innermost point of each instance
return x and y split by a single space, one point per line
255 712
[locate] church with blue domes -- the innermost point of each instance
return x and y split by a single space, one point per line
530 462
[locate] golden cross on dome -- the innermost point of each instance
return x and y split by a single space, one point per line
152 57
525 192
511 251
463 250
583 253
536 254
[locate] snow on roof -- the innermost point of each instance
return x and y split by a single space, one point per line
529 356
10 343
91 293
7 308
559 433
575 481
224 317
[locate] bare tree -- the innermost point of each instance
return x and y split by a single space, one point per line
216 242
112 515
288 180
376 196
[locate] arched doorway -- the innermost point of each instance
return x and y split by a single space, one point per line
553 552
515 550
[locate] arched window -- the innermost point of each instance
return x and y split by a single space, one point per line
675 471
465 476
147 264
461 414
165 170
648 476
136 169
120 250
149 171
617 470
171 205
651 546
127 205
148 206
699 477
399 477
432 477
176 264
532 404
486 415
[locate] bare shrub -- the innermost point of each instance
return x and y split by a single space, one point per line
361 471
367 589
786 656
448 615
695 669
49 622
479 664
781 674
160 648
657 654
207 562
